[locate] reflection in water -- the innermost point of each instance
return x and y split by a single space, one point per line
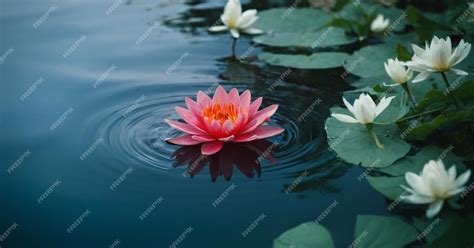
247 157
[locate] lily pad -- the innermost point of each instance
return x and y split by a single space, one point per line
368 61
281 20
354 144
389 185
380 231
327 37
314 61
306 235
437 226
416 162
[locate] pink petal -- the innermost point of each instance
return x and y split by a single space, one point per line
254 107
245 100
227 139
193 106
234 97
188 117
228 126
220 96
203 138
183 127
212 147
203 99
259 118
184 140
259 133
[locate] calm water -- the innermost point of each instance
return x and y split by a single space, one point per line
85 87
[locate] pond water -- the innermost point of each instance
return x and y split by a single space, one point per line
86 87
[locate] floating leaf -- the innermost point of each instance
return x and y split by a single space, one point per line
306 235
389 185
437 226
323 38
314 61
380 231
354 144
368 61
281 20
416 162
459 234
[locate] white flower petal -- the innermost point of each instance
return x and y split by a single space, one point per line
247 18
434 208
421 76
459 72
418 199
383 104
462 179
348 105
416 183
235 33
252 31
345 118
218 28
232 12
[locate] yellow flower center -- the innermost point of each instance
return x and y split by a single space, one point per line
232 23
221 113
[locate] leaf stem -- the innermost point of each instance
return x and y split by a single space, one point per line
448 87
420 114
234 42
407 90
374 136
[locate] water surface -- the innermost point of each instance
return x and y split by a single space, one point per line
83 97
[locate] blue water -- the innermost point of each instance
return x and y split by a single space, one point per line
85 87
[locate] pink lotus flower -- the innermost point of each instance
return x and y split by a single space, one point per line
227 117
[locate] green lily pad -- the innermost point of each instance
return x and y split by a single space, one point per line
388 186
416 162
459 234
380 231
354 144
368 61
306 235
437 226
317 39
421 131
314 61
281 20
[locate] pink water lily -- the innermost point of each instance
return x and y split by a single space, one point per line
227 117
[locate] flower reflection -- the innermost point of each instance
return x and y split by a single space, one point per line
247 157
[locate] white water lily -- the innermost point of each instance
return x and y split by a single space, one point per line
379 24
437 57
235 21
397 71
364 110
434 185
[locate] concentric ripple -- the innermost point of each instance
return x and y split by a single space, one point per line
134 130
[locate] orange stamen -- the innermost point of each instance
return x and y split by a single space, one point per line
221 113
